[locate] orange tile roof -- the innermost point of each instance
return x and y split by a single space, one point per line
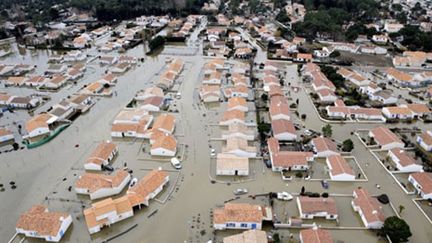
425 181
39 220
370 206
311 205
165 122
148 184
102 152
383 136
324 144
339 165
95 181
316 236
166 141
238 212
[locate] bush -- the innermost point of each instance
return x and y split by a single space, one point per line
347 145
325 195
299 174
303 116
157 42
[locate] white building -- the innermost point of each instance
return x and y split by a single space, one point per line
422 181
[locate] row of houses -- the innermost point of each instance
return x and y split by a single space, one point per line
251 217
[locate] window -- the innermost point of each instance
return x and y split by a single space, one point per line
243 225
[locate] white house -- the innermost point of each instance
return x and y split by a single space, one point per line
385 138
107 212
233 165
239 130
101 156
425 140
422 181
339 169
404 162
147 188
368 208
5 135
324 147
317 207
239 147
284 130
38 222
101 185
164 145
240 216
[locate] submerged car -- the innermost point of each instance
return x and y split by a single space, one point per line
325 184
285 196
240 191
176 163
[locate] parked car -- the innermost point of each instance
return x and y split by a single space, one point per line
213 152
240 191
285 196
176 163
108 168
325 184
133 182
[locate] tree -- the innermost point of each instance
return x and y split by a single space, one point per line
335 54
283 17
396 229
347 145
327 130
157 42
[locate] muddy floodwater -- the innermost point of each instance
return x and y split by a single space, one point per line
44 174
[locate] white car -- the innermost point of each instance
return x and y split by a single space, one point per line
213 152
133 182
285 196
176 163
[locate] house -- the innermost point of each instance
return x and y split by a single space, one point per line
326 96
315 235
313 207
366 114
237 103
248 236
276 90
402 78
214 77
151 104
149 92
240 216
131 128
16 81
120 68
101 185
147 188
283 130
164 145
380 39
75 56
230 164
56 82
210 93
38 222
422 182
232 117
239 147
397 112
74 74
165 123
39 125
35 81
109 79
101 156
81 102
324 147
56 68
107 212
404 162
107 60
368 208
243 53
339 169
287 160
425 140
239 130
6 135
385 97
237 91
303 57
418 109
95 88
392 27
279 110
385 138
23 102
62 110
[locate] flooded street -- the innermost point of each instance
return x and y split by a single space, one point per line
44 174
